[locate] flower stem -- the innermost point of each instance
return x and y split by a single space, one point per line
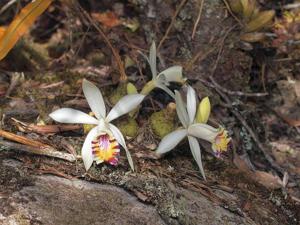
148 87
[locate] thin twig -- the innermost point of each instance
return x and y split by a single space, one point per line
32 146
7 5
231 13
182 3
263 72
22 140
251 133
123 76
237 114
200 56
257 142
45 129
198 18
38 151
14 81
221 48
238 93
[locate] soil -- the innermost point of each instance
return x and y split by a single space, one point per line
241 188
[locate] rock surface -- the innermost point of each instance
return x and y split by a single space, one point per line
29 199
53 200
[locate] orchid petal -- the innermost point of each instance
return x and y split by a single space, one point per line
68 115
191 103
195 149
166 89
203 112
152 59
181 110
120 139
170 141
94 98
86 151
125 105
173 74
203 131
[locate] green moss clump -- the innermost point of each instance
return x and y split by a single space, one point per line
162 122
128 127
118 93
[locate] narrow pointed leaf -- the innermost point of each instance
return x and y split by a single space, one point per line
67 115
21 24
152 59
195 149
86 151
170 141
125 105
120 139
94 98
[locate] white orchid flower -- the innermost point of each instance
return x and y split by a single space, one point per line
102 142
193 130
163 79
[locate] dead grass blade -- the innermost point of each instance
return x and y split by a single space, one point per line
20 25
32 146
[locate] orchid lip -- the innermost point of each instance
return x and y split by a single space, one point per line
105 148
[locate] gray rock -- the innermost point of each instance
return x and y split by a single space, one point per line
53 201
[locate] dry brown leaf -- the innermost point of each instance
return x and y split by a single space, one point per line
268 180
108 19
289 121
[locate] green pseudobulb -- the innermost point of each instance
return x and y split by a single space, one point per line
118 93
162 122
128 127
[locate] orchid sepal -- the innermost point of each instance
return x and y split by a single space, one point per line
161 80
